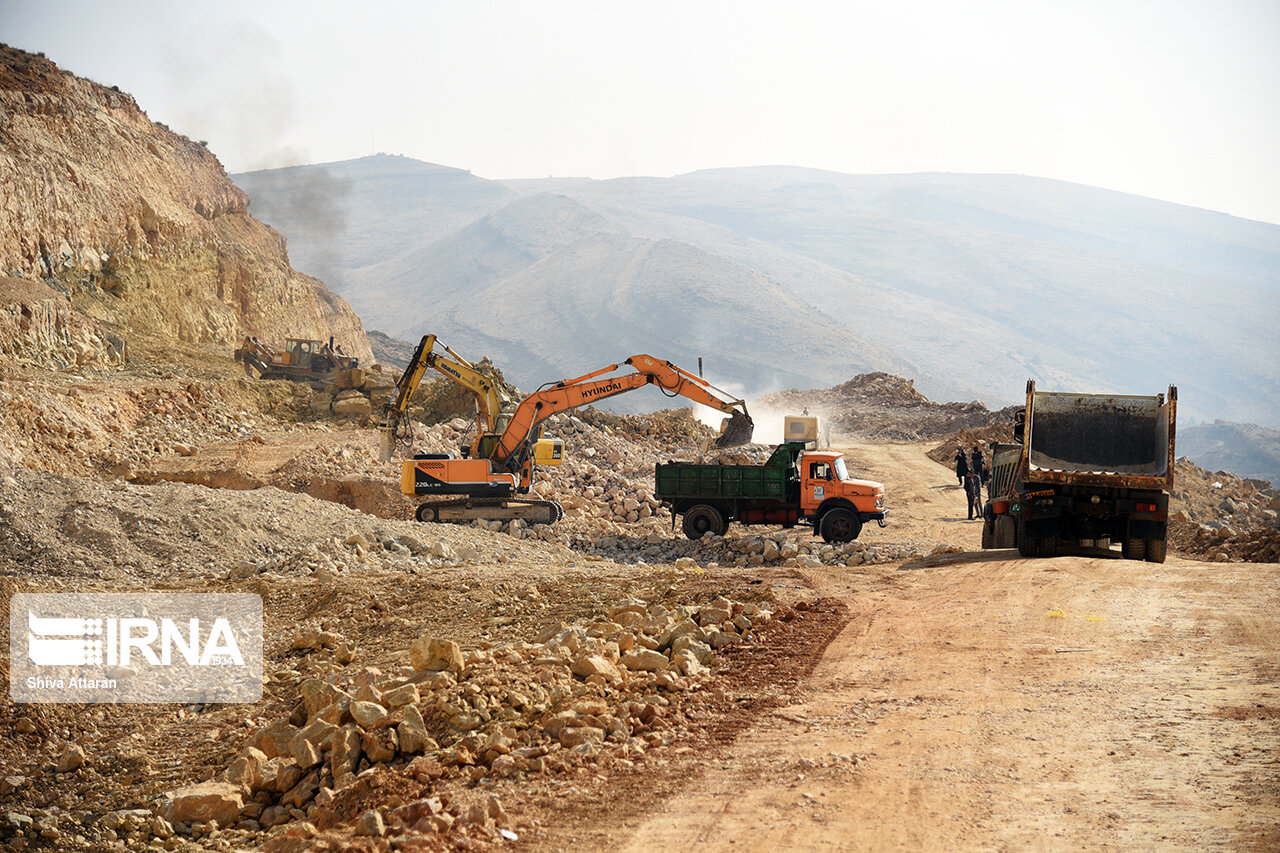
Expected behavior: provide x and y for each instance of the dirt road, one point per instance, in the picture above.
(980, 701)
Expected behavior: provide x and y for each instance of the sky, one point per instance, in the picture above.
(1173, 100)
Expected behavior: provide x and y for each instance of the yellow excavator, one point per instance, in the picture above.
(501, 464)
(489, 400)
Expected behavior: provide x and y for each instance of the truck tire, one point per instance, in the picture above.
(1006, 532)
(1047, 546)
(1027, 547)
(702, 519)
(1134, 549)
(1156, 550)
(988, 533)
(840, 525)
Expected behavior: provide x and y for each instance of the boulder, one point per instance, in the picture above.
(72, 758)
(589, 665)
(433, 655)
(644, 660)
(203, 802)
(366, 714)
(345, 754)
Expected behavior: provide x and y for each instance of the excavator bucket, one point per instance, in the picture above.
(737, 430)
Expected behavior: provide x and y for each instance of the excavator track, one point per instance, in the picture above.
(464, 510)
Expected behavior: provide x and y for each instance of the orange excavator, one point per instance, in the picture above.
(501, 464)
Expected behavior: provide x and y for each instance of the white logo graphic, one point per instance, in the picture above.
(49, 645)
(64, 642)
(141, 647)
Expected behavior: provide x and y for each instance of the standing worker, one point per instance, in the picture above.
(977, 464)
(973, 494)
(962, 465)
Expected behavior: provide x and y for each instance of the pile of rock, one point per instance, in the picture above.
(1217, 516)
(580, 692)
(333, 556)
(881, 406)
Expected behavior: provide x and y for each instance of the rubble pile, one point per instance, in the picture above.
(116, 426)
(883, 407)
(1219, 517)
(945, 451)
(611, 689)
(55, 527)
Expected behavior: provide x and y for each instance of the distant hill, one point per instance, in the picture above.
(1246, 450)
(786, 277)
(341, 217)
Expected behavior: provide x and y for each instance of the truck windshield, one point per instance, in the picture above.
(842, 473)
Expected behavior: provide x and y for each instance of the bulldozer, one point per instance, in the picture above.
(301, 360)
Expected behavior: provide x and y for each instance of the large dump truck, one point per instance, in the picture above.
(795, 486)
(1085, 471)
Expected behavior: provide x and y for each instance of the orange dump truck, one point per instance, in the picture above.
(795, 486)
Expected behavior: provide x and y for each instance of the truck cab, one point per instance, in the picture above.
(836, 503)
(824, 476)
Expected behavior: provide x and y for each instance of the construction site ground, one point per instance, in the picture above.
(958, 699)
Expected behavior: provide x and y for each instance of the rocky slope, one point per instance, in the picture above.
(883, 407)
(115, 231)
(1244, 449)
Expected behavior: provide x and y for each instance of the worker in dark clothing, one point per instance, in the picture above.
(962, 465)
(973, 494)
(977, 464)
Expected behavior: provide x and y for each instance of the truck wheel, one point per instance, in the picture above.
(1134, 549)
(1006, 532)
(701, 519)
(1047, 546)
(840, 525)
(988, 533)
(1027, 547)
(1156, 550)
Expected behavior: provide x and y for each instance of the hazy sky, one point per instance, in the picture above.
(1165, 98)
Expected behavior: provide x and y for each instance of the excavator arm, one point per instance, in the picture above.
(488, 398)
(513, 447)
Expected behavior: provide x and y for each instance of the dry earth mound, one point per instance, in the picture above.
(881, 407)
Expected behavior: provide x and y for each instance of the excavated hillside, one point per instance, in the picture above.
(117, 233)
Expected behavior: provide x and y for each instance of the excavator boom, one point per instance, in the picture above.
(571, 393)
(487, 396)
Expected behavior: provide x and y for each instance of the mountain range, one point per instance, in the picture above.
(788, 277)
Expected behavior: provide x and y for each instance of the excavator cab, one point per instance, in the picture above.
(546, 451)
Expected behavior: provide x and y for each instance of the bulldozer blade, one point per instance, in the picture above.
(386, 445)
(737, 431)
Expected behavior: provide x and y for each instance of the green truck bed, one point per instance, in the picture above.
(686, 481)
